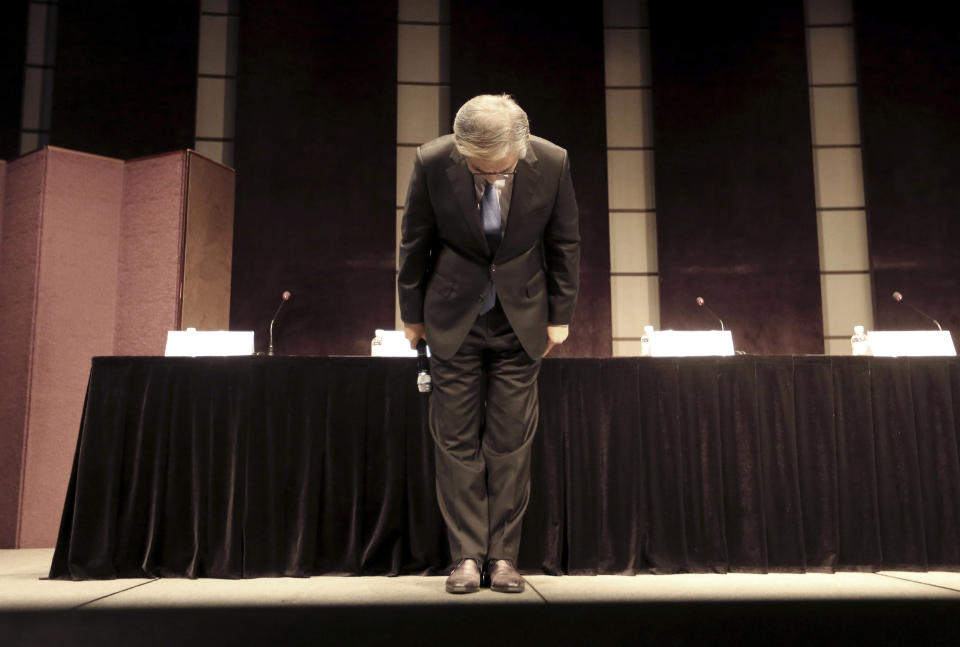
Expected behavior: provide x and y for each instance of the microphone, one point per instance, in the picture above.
(703, 304)
(284, 298)
(899, 299)
(424, 381)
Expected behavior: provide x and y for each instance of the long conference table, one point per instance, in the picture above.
(298, 466)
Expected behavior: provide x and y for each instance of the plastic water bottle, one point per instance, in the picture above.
(859, 342)
(645, 341)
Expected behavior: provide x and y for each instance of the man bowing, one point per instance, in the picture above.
(489, 270)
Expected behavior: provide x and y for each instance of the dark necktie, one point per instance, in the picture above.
(490, 208)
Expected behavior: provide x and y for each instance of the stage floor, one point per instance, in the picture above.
(23, 585)
(40, 611)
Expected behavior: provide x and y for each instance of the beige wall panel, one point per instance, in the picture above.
(36, 34)
(838, 346)
(214, 44)
(626, 57)
(219, 6)
(626, 348)
(422, 54)
(624, 13)
(32, 97)
(230, 108)
(29, 142)
(838, 177)
(843, 241)
(397, 245)
(211, 150)
(424, 10)
(830, 55)
(220, 152)
(633, 242)
(846, 303)
(75, 313)
(208, 248)
(835, 116)
(635, 302)
(422, 112)
(444, 113)
(212, 120)
(443, 65)
(227, 159)
(630, 180)
(829, 12)
(405, 158)
(629, 121)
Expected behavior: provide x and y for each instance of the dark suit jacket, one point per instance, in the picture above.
(446, 267)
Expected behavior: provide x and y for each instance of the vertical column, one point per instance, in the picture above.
(841, 217)
(38, 75)
(633, 227)
(423, 88)
(217, 80)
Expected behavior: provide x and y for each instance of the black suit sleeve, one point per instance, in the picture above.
(561, 246)
(418, 231)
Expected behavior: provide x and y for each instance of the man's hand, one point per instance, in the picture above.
(556, 335)
(414, 333)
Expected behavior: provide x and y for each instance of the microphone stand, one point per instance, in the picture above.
(899, 299)
(701, 303)
(285, 297)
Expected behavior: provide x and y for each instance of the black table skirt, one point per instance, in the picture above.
(297, 466)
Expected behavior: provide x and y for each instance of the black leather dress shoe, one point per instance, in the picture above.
(504, 577)
(465, 578)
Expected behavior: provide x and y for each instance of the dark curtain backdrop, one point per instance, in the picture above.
(736, 211)
(909, 60)
(550, 59)
(245, 467)
(316, 173)
(13, 44)
(125, 83)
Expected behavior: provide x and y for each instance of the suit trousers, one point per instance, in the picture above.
(483, 416)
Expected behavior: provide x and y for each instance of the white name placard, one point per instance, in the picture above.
(911, 343)
(392, 343)
(208, 343)
(690, 343)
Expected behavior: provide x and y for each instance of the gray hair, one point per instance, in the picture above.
(491, 127)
